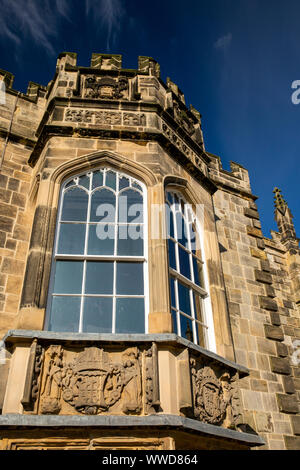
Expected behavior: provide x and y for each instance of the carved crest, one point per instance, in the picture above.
(92, 383)
(106, 87)
(215, 395)
(209, 402)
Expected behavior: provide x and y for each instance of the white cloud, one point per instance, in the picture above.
(22, 18)
(110, 14)
(40, 20)
(223, 43)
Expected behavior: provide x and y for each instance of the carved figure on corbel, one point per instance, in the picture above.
(51, 392)
(151, 380)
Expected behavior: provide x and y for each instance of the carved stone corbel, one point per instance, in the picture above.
(151, 380)
(32, 380)
(51, 392)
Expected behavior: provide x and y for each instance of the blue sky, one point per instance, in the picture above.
(235, 60)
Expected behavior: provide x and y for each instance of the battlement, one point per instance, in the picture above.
(237, 179)
(34, 90)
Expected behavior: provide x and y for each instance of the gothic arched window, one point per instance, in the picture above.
(188, 284)
(99, 275)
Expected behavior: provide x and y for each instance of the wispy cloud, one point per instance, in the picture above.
(224, 42)
(110, 14)
(40, 20)
(27, 18)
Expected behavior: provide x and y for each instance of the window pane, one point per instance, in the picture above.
(97, 179)
(97, 315)
(181, 230)
(130, 206)
(103, 206)
(130, 279)
(174, 321)
(172, 289)
(170, 198)
(97, 244)
(68, 277)
(172, 257)
(65, 313)
(137, 186)
(184, 299)
(99, 277)
(130, 240)
(84, 181)
(186, 326)
(198, 307)
(200, 330)
(130, 316)
(123, 183)
(198, 272)
(71, 239)
(75, 205)
(184, 261)
(111, 180)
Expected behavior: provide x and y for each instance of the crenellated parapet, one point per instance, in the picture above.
(34, 90)
(237, 180)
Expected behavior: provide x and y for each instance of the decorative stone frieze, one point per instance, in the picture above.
(97, 380)
(109, 118)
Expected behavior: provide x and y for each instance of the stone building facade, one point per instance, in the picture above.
(211, 362)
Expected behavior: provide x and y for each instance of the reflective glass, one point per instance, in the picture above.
(200, 331)
(130, 206)
(65, 313)
(130, 278)
(184, 261)
(174, 321)
(111, 180)
(172, 289)
(75, 204)
(68, 277)
(84, 181)
(97, 179)
(97, 315)
(101, 239)
(172, 257)
(130, 316)
(103, 206)
(198, 307)
(169, 221)
(71, 239)
(198, 272)
(123, 183)
(181, 230)
(184, 298)
(99, 277)
(186, 326)
(170, 198)
(137, 186)
(130, 240)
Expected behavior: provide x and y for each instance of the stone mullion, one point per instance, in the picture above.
(160, 319)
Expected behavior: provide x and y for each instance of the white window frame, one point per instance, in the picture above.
(114, 258)
(203, 292)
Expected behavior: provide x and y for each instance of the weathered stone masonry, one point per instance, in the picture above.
(178, 395)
